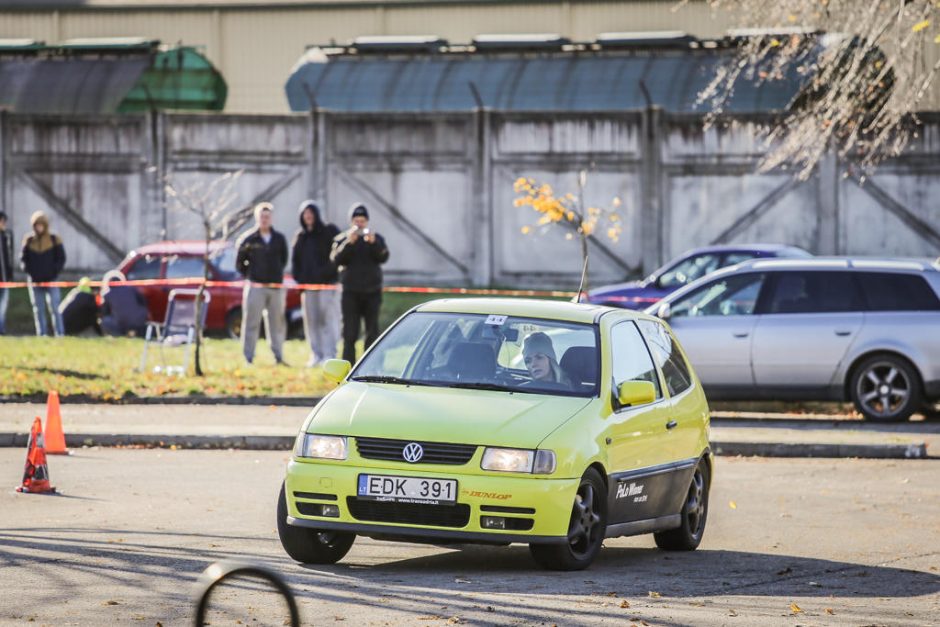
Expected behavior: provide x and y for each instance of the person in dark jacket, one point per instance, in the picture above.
(6, 269)
(124, 309)
(261, 257)
(359, 252)
(43, 258)
(79, 309)
(311, 264)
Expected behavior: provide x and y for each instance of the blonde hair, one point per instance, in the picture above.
(261, 207)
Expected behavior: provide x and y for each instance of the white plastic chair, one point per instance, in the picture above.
(177, 329)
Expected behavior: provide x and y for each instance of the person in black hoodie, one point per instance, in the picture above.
(43, 258)
(6, 269)
(311, 264)
(359, 252)
(262, 254)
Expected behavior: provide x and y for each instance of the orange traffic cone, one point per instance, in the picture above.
(55, 437)
(36, 473)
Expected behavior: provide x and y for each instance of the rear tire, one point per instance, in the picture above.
(694, 515)
(886, 388)
(233, 323)
(586, 529)
(310, 546)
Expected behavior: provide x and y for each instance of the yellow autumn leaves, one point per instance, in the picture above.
(565, 210)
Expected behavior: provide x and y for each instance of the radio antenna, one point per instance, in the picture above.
(584, 269)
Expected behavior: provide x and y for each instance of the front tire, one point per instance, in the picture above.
(309, 546)
(694, 515)
(886, 388)
(586, 529)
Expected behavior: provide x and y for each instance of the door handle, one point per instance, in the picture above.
(741, 334)
(843, 333)
(671, 424)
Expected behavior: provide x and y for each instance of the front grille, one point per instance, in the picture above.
(434, 452)
(409, 513)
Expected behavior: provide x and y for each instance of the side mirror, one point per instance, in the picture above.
(630, 393)
(336, 369)
(664, 311)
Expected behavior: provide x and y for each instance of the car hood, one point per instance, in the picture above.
(436, 414)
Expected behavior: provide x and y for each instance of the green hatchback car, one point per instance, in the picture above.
(497, 421)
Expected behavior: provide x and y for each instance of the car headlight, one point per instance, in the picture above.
(320, 446)
(518, 460)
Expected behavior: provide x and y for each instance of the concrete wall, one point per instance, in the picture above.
(440, 187)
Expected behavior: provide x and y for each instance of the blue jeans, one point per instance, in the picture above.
(4, 301)
(41, 298)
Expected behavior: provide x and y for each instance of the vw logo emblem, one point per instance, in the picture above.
(413, 452)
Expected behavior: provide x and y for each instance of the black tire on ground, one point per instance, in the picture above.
(694, 514)
(309, 546)
(886, 388)
(233, 323)
(585, 531)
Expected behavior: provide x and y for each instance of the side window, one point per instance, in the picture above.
(667, 356)
(814, 292)
(888, 291)
(734, 295)
(178, 267)
(630, 358)
(688, 270)
(147, 267)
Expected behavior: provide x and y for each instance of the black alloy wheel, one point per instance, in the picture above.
(586, 529)
(694, 514)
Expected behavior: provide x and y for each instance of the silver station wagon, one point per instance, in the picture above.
(836, 329)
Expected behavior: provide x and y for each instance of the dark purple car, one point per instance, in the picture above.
(692, 265)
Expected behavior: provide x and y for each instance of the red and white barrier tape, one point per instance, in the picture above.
(193, 282)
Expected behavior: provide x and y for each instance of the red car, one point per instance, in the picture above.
(184, 260)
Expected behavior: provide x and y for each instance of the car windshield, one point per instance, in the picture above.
(491, 352)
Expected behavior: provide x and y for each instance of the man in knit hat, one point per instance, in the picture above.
(539, 354)
(42, 258)
(359, 252)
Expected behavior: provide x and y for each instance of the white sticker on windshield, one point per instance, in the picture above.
(495, 320)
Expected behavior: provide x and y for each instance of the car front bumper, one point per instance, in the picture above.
(542, 502)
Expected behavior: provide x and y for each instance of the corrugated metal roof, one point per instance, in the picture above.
(68, 85)
(104, 76)
(563, 81)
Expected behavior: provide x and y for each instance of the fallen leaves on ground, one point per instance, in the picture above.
(654, 595)
(795, 609)
(732, 505)
(625, 604)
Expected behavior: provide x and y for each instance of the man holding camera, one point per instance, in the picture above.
(359, 252)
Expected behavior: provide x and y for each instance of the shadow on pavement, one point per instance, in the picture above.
(469, 579)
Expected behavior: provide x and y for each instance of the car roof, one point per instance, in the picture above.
(180, 247)
(526, 308)
(887, 264)
(717, 248)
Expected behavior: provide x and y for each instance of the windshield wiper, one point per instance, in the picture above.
(496, 387)
(377, 378)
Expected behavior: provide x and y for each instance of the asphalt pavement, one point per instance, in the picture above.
(788, 542)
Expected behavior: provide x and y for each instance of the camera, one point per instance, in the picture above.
(364, 232)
